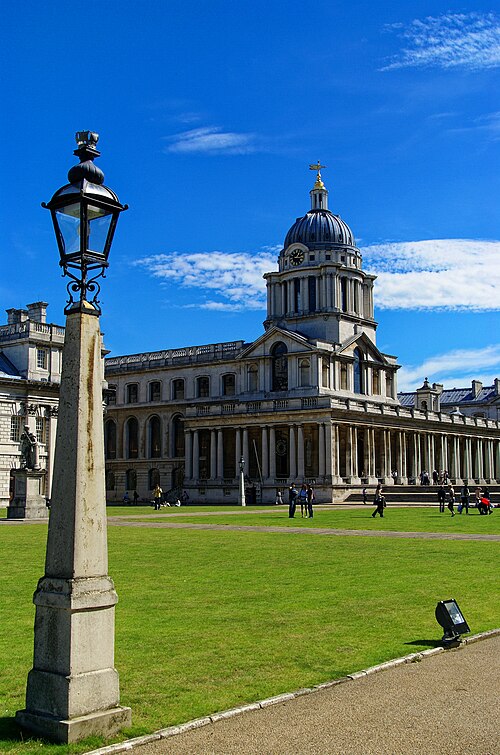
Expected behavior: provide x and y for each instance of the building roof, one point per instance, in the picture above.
(319, 227)
(7, 369)
(455, 396)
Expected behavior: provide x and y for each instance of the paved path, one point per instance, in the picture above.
(117, 521)
(445, 705)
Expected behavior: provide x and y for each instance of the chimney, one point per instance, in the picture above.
(477, 387)
(15, 316)
(38, 311)
(497, 387)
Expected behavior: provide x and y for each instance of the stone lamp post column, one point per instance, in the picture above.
(73, 690)
(241, 485)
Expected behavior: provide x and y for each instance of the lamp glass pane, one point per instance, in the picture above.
(455, 614)
(68, 220)
(99, 221)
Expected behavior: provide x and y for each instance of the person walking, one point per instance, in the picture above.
(279, 499)
(451, 500)
(157, 496)
(310, 499)
(126, 498)
(292, 500)
(136, 497)
(464, 499)
(441, 494)
(365, 495)
(303, 500)
(379, 501)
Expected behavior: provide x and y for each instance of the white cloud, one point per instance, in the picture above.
(213, 140)
(470, 40)
(451, 274)
(236, 278)
(455, 369)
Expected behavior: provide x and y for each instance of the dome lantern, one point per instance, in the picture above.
(319, 192)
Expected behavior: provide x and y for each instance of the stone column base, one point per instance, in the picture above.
(103, 723)
(401, 481)
(353, 480)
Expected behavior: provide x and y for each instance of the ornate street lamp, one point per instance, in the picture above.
(241, 491)
(73, 688)
(84, 213)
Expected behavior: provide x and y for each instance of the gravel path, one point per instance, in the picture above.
(116, 521)
(447, 704)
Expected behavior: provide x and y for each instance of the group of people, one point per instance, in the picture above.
(159, 499)
(304, 496)
(447, 496)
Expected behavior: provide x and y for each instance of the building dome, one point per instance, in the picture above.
(319, 227)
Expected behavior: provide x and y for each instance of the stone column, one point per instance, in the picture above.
(220, 454)
(300, 453)
(321, 450)
(196, 455)
(73, 690)
(188, 442)
(292, 454)
(497, 460)
(213, 455)
(237, 450)
(246, 455)
(272, 453)
(265, 454)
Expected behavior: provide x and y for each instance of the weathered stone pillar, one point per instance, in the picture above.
(292, 454)
(300, 452)
(246, 455)
(196, 455)
(265, 454)
(72, 690)
(237, 451)
(321, 449)
(220, 454)
(188, 443)
(213, 455)
(272, 453)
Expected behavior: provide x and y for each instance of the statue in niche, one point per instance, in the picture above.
(29, 450)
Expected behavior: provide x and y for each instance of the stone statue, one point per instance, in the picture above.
(29, 450)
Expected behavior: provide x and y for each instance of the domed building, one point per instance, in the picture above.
(311, 400)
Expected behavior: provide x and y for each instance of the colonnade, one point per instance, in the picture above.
(332, 292)
(336, 453)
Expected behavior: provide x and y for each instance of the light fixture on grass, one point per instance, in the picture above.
(451, 618)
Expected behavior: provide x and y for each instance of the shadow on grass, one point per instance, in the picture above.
(9, 730)
(426, 643)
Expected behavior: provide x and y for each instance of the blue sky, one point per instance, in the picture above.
(209, 114)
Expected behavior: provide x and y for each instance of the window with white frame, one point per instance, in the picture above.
(16, 425)
(41, 430)
(41, 359)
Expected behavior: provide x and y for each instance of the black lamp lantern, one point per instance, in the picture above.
(242, 465)
(84, 213)
(451, 618)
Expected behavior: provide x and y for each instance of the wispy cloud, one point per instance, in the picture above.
(469, 40)
(455, 369)
(232, 281)
(452, 274)
(212, 140)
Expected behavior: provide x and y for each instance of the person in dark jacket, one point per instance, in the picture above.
(379, 501)
(310, 499)
(292, 500)
(441, 498)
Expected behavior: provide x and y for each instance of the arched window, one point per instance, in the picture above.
(325, 373)
(279, 367)
(110, 480)
(229, 384)
(178, 389)
(131, 479)
(358, 372)
(155, 391)
(132, 438)
(178, 436)
(153, 478)
(154, 438)
(110, 439)
(304, 372)
(253, 378)
(202, 387)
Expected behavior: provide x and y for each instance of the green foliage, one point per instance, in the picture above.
(210, 619)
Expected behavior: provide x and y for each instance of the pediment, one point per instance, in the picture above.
(366, 346)
(295, 343)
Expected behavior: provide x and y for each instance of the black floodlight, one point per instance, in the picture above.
(451, 618)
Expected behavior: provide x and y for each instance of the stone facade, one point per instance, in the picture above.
(30, 373)
(312, 399)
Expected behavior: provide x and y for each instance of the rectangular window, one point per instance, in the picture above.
(296, 295)
(16, 424)
(132, 393)
(41, 359)
(375, 382)
(389, 385)
(178, 389)
(312, 294)
(41, 430)
(343, 377)
(154, 391)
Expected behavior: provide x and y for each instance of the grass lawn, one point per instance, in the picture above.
(410, 519)
(209, 619)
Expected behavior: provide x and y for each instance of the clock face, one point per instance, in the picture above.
(296, 257)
